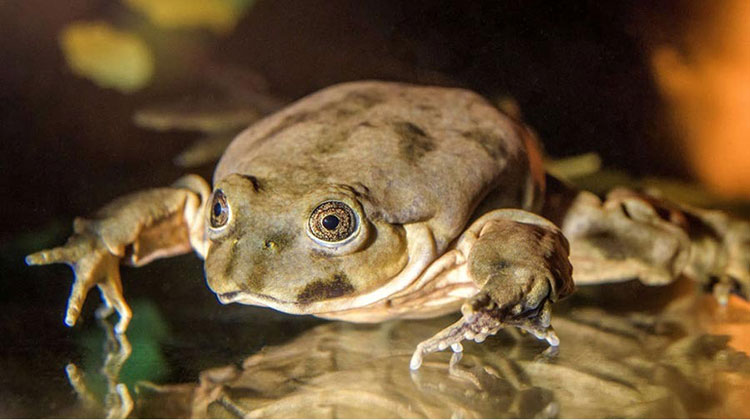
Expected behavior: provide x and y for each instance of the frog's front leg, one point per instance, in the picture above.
(520, 263)
(136, 229)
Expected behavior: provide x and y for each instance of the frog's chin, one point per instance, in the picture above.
(247, 298)
(259, 299)
(234, 297)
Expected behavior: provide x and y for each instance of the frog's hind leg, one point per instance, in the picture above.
(631, 235)
(519, 260)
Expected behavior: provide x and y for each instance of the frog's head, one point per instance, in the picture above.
(299, 249)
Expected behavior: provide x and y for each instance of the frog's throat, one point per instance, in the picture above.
(422, 252)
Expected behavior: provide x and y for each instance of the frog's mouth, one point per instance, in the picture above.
(294, 307)
(247, 298)
(290, 307)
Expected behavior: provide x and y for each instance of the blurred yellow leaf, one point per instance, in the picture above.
(111, 58)
(219, 16)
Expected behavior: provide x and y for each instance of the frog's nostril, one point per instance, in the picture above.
(270, 245)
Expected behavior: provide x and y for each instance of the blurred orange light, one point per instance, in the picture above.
(707, 91)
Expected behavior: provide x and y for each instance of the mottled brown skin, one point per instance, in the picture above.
(448, 197)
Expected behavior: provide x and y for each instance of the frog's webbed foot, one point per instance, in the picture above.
(136, 229)
(93, 265)
(521, 263)
(481, 318)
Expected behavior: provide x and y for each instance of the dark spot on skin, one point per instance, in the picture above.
(254, 181)
(490, 142)
(342, 113)
(235, 256)
(501, 265)
(337, 286)
(610, 246)
(409, 130)
(350, 105)
(335, 138)
(258, 266)
(413, 141)
(325, 147)
(332, 141)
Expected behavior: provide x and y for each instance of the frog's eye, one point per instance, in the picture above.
(332, 222)
(219, 210)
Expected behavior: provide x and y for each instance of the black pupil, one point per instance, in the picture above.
(218, 209)
(330, 222)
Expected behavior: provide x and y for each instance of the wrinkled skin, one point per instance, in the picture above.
(370, 201)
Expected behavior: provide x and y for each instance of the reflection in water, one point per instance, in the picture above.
(624, 364)
(117, 400)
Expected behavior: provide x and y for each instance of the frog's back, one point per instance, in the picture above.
(413, 153)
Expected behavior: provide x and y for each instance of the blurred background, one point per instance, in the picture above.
(656, 89)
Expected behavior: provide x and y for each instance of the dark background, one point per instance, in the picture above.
(577, 69)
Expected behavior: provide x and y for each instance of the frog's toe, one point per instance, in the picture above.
(98, 268)
(125, 314)
(539, 325)
(729, 285)
(532, 314)
(85, 279)
(111, 292)
(61, 254)
(473, 325)
(75, 302)
(42, 257)
(450, 337)
(483, 317)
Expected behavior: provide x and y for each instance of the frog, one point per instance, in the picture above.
(370, 201)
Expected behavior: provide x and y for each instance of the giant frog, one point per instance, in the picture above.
(369, 201)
